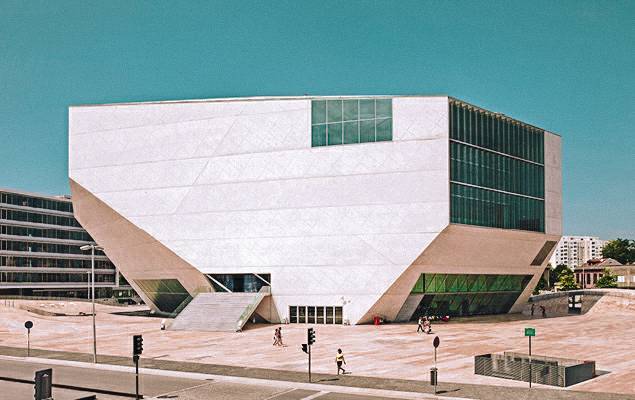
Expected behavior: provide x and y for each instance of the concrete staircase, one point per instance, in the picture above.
(218, 311)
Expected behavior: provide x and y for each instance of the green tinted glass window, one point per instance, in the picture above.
(383, 108)
(366, 109)
(467, 294)
(318, 112)
(383, 129)
(351, 132)
(351, 110)
(166, 294)
(334, 111)
(318, 135)
(367, 131)
(334, 134)
(335, 122)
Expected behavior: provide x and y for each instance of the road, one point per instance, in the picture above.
(89, 380)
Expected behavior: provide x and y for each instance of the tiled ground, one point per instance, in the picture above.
(605, 335)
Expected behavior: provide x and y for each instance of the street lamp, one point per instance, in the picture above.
(92, 248)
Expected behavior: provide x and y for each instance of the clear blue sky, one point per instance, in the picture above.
(566, 66)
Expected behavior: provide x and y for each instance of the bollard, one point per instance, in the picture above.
(433, 378)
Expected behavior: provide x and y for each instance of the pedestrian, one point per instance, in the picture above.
(533, 306)
(427, 326)
(543, 310)
(276, 341)
(163, 324)
(339, 360)
(420, 325)
(280, 343)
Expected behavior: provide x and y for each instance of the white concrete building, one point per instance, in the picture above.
(343, 208)
(573, 251)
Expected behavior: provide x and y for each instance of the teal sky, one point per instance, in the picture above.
(566, 66)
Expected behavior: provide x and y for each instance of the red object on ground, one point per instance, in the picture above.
(376, 320)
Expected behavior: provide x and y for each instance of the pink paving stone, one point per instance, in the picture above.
(605, 335)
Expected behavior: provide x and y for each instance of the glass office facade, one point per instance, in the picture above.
(467, 294)
(496, 170)
(39, 240)
(347, 121)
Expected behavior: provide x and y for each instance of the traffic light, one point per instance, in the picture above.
(137, 345)
(305, 348)
(310, 336)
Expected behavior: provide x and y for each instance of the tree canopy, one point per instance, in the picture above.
(607, 280)
(622, 250)
(566, 279)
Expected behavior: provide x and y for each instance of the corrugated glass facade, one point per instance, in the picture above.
(349, 121)
(466, 294)
(496, 170)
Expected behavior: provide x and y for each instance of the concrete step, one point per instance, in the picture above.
(219, 311)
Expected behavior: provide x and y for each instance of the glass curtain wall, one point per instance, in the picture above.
(467, 294)
(347, 121)
(496, 170)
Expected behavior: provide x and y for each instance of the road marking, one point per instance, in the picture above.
(166, 395)
(279, 394)
(314, 396)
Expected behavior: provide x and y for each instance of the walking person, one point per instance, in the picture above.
(339, 360)
(280, 343)
(276, 341)
(543, 310)
(420, 325)
(533, 306)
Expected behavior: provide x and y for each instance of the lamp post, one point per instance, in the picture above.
(92, 248)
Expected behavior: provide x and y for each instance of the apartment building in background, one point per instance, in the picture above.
(574, 251)
(40, 252)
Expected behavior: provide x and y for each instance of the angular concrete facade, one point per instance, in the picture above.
(176, 190)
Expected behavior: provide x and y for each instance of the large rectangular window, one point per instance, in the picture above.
(316, 314)
(347, 121)
(466, 294)
(496, 170)
(168, 295)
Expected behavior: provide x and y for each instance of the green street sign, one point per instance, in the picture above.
(530, 331)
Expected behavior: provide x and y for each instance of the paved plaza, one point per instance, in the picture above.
(389, 351)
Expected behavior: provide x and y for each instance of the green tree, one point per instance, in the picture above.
(622, 250)
(542, 285)
(607, 280)
(566, 279)
(554, 273)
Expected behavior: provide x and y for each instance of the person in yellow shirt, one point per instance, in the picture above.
(339, 360)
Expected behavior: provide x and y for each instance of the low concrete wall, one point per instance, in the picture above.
(557, 303)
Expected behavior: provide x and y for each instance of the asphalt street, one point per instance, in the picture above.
(98, 381)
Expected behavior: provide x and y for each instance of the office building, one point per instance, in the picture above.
(40, 250)
(322, 209)
(573, 251)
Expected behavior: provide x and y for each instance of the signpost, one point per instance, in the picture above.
(433, 371)
(529, 332)
(28, 325)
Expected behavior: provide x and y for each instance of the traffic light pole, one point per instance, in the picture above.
(136, 367)
(309, 363)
